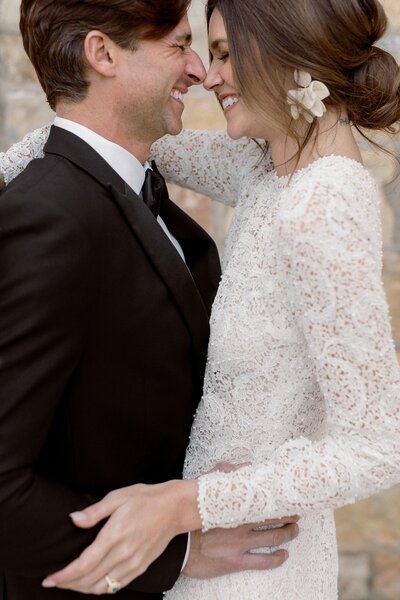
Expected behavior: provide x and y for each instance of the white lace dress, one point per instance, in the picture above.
(302, 379)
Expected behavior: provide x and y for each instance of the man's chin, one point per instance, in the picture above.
(173, 126)
(174, 129)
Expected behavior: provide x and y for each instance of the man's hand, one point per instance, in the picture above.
(222, 551)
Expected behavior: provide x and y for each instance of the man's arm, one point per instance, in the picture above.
(46, 277)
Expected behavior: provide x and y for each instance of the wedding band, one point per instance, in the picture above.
(113, 585)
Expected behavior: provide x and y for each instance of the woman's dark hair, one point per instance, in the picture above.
(333, 40)
(54, 31)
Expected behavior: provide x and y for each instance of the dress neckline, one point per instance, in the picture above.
(287, 180)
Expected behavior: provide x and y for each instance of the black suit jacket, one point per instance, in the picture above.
(103, 340)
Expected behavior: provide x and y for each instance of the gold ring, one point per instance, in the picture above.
(113, 585)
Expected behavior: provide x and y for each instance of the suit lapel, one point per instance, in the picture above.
(200, 251)
(192, 290)
(170, 266)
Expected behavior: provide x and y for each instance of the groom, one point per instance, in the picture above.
(105, 294)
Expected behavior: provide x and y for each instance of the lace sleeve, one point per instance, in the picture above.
(16, 158)
(208, 162)
(331, 252)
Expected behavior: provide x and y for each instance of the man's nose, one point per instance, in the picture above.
(195, 69)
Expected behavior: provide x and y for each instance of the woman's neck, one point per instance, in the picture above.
(334, 136)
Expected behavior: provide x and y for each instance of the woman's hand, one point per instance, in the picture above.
(142, 521)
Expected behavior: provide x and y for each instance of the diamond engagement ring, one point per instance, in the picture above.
(113, 585)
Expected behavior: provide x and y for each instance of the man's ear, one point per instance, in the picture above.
(100, 53)
(2, 182)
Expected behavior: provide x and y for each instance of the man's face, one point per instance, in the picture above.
(152, 82)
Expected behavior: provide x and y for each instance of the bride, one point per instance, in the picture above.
(302, 386)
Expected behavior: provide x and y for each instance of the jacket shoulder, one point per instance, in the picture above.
(53, 184)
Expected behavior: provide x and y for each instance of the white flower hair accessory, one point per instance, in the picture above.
(307, 99)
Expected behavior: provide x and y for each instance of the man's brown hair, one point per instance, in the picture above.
(54, 32)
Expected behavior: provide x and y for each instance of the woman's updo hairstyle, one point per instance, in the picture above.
(374, 99)
(333, 40)
(375, 103)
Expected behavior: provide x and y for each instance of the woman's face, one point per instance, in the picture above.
(241, 121)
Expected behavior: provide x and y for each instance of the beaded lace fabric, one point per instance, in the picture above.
(302, 381)
(19, 155)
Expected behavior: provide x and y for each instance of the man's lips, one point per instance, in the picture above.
(177, 95)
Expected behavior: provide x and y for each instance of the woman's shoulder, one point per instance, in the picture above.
(335, 174)
(334, 192)
(332, 180)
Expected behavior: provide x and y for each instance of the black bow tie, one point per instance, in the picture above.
(154, 189)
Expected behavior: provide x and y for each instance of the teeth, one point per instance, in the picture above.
(229, 101)
(177, 95)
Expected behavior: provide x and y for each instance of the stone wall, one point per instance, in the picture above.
(22, 102)
(369, 532)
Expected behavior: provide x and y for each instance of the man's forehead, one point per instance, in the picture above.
(183, 32)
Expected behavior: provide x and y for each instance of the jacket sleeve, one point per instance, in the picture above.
(47, 288)
(45, 283)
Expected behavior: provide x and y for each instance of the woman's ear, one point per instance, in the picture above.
(100, 53)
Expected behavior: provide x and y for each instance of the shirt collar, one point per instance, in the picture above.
(123, 162)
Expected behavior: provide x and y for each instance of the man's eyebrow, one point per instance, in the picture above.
(184, 37)
(214, 45)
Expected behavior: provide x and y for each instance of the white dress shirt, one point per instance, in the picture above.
(131, 171)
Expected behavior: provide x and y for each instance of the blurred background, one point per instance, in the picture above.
(369, 532)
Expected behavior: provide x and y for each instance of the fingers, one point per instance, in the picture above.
(224, 467)
(260, 562)
(274, 537)
(87, 562)
(221, 551)
(117, 549)
(112, 554)
(90, 516)
(94, 582)
(275, 522)
(271, 537)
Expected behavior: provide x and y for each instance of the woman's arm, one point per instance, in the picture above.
(332, 248)
(208, 162)
(16, 158)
